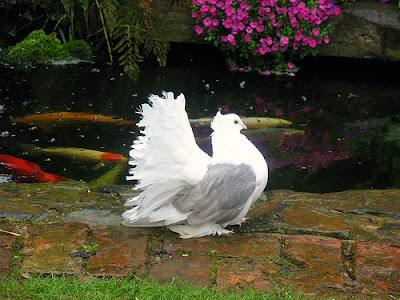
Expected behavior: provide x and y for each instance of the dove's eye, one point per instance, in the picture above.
(236, 122)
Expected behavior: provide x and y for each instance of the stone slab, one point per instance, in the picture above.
(241, 274)
(357, 215)
(377, 267)
(317, 261)
(121, 251)
(192, 268)
(5, 259)
(237, 245)
(47, 248)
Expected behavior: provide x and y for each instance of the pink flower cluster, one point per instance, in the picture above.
(264, 26)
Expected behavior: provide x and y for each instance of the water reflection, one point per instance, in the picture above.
(343, 134)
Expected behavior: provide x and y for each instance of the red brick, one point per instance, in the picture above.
(47, 248)
(316, 261)
(194, 269)
(5, 258)
(238, 245)
(7, 239)
(121, 251)
(377, 267)
(247, 273)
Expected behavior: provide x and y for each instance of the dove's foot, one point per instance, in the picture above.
(242, 221)
(189, 231)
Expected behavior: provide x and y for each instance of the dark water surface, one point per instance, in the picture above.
(347, 113)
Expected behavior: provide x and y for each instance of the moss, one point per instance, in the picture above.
(79, 49)
(39, 48)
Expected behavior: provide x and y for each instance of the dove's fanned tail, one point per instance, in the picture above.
(166, 161)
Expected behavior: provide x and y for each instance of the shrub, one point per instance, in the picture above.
(267, 36)
(38, 48)
(78, 49)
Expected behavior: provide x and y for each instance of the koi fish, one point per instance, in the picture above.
(27, 171)
(81, 154)
(109, 178)
(250, 122)
(48, 120)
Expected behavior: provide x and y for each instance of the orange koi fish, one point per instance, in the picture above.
(48, 120)
(27, 171)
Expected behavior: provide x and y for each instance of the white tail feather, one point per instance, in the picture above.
(166, 159)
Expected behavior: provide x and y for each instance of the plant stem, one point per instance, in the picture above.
(104, 30)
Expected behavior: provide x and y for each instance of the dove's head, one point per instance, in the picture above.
(229, 122)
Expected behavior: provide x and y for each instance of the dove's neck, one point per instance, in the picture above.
(235, 148)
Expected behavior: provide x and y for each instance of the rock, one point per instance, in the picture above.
(47, 248)
(51, 202)
(318, 261)
(372, 214)
(377, 267)
(192, 268)
(5, 259)
(121, 251)
(94, 217)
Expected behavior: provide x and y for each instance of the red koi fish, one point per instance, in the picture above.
(27, 171)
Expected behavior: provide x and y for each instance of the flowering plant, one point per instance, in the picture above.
(265, 35)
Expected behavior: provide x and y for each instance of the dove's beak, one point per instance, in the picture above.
(244, 126)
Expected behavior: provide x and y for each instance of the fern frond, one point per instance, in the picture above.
(110, 9)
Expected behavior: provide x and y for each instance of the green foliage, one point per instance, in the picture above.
(91, 247)
(52, 287)
(78, 48)
(38, 48)
(135, 33)
(129, 29)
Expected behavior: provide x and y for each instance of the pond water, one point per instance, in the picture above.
(345, 116)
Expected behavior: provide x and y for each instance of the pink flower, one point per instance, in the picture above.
(245, 6)
(291, 65)
(231, 39)
(337, 11)
(204, 8)
(199, 30)
(212, 10)
(229, 11)
(242, 15)
(227, 23)
(249, 30)
(247, 37)
(312, 43)
(298, 37)
(284, 40)
(241, 26)
(326, 39)
(260, 28)
(315, 31)
(253, 24)
(262, 50)
(207, 22)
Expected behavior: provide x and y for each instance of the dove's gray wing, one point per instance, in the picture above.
(220, 196)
